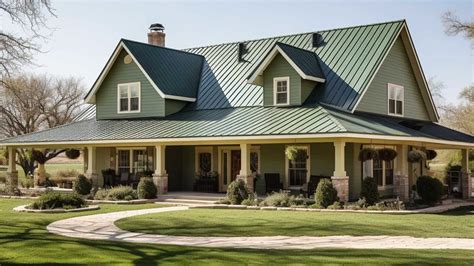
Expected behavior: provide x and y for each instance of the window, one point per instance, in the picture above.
(381, 171)
(395, 99)
(281, 94)
(129, 98)
(298, 168)
(203, 160)
(132, 160)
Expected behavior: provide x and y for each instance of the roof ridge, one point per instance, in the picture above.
(294, 34)
(161, 47)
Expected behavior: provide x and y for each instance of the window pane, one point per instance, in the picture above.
(139, 161)
(225, 168)
(281, 98)
(389, 173)
(391, 92)
(134, 90)
(399, 93)
(391, 106)
(378, 171)
(297, 169)
(134, 104)
(123, 91)
(254, 162)
(124, 161)
(399, 107)
(124, 104)
(205, 162)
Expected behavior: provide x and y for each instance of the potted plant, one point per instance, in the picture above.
(368, 154)
(431, 154)
(294, 153)
(416, 156)
(73, 154)
(387, 154)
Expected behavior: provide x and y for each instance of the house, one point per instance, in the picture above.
(234, 109)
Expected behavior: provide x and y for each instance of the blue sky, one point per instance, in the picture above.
(86, 32)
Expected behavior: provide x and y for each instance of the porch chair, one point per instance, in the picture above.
(124, 178)
(272, 182)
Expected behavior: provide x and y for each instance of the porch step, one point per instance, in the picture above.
(188, 201)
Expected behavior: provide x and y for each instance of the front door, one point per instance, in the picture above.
(235, 164)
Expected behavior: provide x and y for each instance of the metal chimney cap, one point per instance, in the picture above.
(157, 27)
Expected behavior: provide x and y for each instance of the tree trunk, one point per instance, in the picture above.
(40, 175)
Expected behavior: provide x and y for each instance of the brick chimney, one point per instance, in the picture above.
(156, 36)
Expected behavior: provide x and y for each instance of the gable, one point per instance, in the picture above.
(396, 69)
(152, 104)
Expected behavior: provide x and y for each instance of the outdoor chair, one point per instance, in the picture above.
(272, 182)
(124, 178)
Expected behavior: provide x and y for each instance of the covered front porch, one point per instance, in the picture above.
(209, 166)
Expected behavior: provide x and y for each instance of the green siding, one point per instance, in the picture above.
(273, 160)
(395, 69)
(152, 104)
(279, 67)
(355, 174)
(322, 159)
(307, 87)
(102, 162)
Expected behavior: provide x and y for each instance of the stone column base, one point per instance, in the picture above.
(466, 184)
(94, 178)
(401, 187)
(12, 178)
(248, 180)
(341, 184)
(161, 183)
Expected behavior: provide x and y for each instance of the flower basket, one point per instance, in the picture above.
(416, 156)
(368, 154)
(296, 154)
(431, 154)
(387, 154)
(73, 154)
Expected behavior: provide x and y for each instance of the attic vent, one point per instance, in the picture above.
(317, 40)
(242, 51)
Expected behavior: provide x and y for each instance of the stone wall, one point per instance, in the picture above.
(401, 187)
(341, 184)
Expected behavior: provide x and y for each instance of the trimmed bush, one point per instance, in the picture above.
(278, 199)
(325, 194)
(237, 191)
(369, 191)
(146, 189)
(429, 188)
(82, 185)
(116, 193)
(73, 154)
(56, 200)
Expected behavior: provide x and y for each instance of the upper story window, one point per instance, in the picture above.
(281, 91)
(395, 99)
(129, 98)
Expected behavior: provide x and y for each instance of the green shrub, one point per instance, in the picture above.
(430, 189)
(277, 199)
(48, 182)
(82, 185)
(223, 201)
(116, 193)
(146, 189)
(369, 191)
(336, 206)
(237, 191)
(56, 200)
(326, 194)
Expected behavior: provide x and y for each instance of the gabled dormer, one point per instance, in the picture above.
(145, 80)
(288, 75)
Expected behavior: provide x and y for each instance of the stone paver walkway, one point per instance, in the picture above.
(102, 227)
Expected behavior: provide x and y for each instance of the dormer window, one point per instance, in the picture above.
(128, 97)
(395, 99)
(281, 93)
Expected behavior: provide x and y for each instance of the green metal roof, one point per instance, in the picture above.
(243, 121)
(306, 60)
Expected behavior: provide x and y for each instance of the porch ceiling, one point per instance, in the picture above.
(246, 123)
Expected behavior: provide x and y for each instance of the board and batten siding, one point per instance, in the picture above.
(395, 69)
(299, 88)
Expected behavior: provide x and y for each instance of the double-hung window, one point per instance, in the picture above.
(129, 97)
(395, 99)
(381, 171)
(281, 91)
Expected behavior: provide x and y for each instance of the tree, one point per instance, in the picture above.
(461, 116)
(36, 102)
(453, 25)
(17, 49)
(437, 87)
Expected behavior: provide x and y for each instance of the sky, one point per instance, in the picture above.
(86, 32)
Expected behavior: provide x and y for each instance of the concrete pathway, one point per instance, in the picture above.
(101, 227)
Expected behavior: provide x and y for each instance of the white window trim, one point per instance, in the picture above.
(383, 186)
(389, 87)
(129, 106)
(199, 150)
(130, 149)
(308, 166)
(275, 80)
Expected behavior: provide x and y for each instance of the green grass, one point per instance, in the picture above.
(203, 222)
(24, 239)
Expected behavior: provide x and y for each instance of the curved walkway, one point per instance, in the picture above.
(102, 227)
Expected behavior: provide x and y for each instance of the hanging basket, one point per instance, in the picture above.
(431, 154)
(296, 154)
(368, 154)
(387, 154)
(73, 154)
(38, 156)
(416, 156)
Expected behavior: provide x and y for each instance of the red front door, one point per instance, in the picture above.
(235, 164)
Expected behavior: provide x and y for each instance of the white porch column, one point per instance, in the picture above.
(466, 175)
(340, 180)
(12, 173)
(400, 179)
(91, 171)
(245, 172)
(160, 177)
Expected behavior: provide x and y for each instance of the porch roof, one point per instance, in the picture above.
(314, 120)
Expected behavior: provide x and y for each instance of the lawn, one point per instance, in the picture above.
(51, 168)
(24, 239)
(203, 222)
